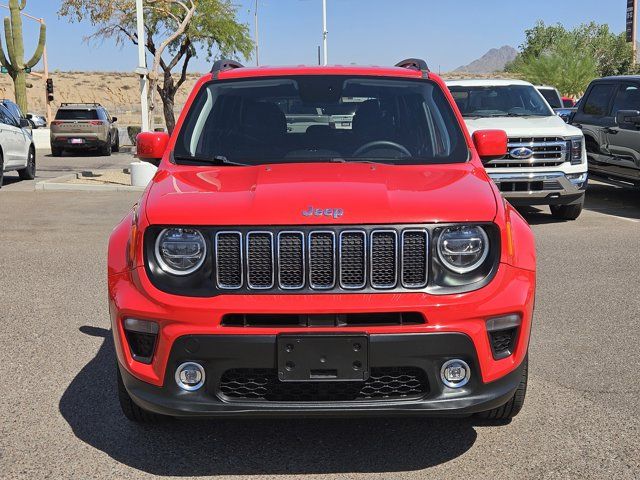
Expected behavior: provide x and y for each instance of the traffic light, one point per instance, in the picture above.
(50, 89)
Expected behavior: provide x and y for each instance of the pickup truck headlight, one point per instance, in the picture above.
(462, 249)
(180, 251)
(575, 145)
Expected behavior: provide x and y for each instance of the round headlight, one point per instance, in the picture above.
(463, 249)
(180, 251)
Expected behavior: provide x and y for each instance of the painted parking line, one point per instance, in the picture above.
(605, 212)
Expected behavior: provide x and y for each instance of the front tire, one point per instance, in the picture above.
(129, 408)
(29, 172)
(1, 169)
(566, 212)
(510, 409)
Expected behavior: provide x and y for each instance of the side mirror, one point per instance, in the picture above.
(151, 145)
(490, 144)
(628, 117)
(114, 119)
(25, 123)
(29, 116)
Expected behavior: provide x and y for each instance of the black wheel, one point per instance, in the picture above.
(116, 146)
(515, 404)
(566, 212)
(132, 411)
(29, 172)
(1, 169)
(56, 151)
(105, 150)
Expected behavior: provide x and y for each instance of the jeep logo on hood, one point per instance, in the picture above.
(323, 212)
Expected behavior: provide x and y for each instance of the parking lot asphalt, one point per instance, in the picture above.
(59, 415)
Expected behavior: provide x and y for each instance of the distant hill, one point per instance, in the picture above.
(493, 61)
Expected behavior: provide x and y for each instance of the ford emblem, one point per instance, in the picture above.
(521, 153)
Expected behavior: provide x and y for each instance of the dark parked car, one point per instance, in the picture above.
(609, 116)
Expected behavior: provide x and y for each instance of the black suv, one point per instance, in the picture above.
(609, 116)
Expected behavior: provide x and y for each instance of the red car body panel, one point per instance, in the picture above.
(275, 195)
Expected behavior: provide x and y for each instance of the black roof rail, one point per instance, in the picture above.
(415, 64)
(223, 65)
(93, 104)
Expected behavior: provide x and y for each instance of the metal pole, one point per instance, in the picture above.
(635, 32)
(324, 31)
(142, 68)
(257, 39)
(45, 74)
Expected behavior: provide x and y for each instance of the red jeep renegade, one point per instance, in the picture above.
(321, 241)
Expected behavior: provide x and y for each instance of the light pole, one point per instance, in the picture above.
(255, 15)
(142, 68)
(324, 31)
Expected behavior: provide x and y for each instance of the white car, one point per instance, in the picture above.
(17, 151)
(38, 120)
(546, 162)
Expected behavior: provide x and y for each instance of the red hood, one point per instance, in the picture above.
(278, 194)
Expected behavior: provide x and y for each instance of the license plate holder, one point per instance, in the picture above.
(76, 141)
(323, 358)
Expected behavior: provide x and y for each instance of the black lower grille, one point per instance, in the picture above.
(141, 344)
(323, 320)
(503, 342)
(386, 383)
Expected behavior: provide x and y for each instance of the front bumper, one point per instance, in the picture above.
(544, 188)
(221, 353)
(454, 327)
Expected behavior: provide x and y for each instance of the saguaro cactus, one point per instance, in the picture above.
(15, 64)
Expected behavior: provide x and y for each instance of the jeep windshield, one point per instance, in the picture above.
(500, 101)
(321, 118)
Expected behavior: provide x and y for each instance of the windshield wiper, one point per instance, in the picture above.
(213, 160)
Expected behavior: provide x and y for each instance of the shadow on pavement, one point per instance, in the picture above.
(611, 200)
(243, 447)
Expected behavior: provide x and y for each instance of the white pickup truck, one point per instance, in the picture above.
(546, 162)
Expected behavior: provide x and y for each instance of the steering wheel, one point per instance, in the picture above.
(381, 143)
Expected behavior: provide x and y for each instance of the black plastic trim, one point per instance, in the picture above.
(219, 353)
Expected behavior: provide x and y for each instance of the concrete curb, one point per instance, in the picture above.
(61, 184)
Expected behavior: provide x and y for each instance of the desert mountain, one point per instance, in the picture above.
(492, 61)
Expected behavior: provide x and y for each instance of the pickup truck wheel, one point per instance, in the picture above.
(515, 404)
(29, 172)
(566, 212)
(1, 170)
(105, 150)
(132, 411)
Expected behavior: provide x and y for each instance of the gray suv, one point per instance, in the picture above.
(84, 126)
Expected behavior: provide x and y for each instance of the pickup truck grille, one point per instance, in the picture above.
(323, 259)
(547, 152)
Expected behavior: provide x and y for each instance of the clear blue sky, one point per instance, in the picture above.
(447, 33)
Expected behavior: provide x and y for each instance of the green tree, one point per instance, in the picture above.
(177, 31)
(611, 52)
(15, 64)
(562, 66)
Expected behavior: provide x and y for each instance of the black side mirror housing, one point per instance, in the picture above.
(25, 123)
(114, 119)
(628, 117)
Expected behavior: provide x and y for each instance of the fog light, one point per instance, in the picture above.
(578, 179)
(142, 338)
(455, 373)
(190, 376)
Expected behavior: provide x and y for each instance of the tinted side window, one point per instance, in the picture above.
(7, 117)
(627, 98)
(597, 104)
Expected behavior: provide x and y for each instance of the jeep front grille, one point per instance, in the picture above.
(547, 152)
(323, 259)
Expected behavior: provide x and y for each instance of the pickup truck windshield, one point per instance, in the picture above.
(500, 101)
(321, 118)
